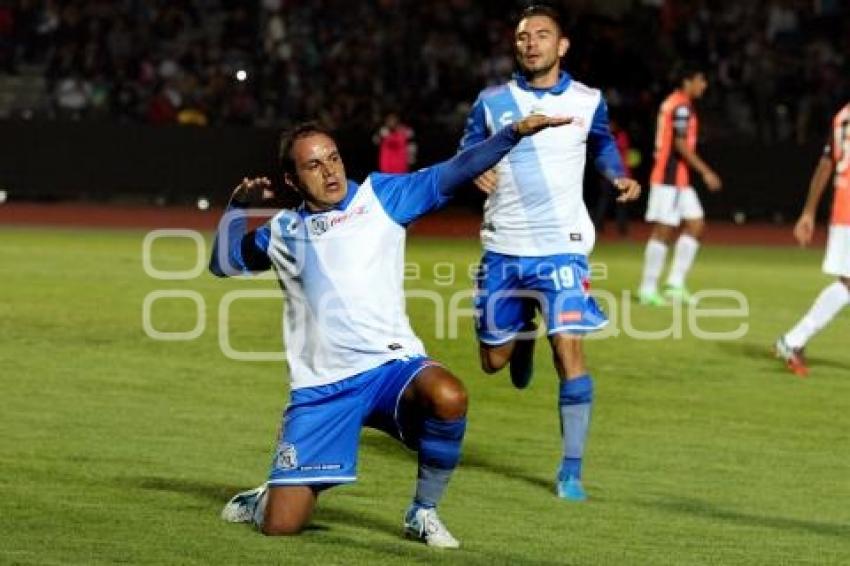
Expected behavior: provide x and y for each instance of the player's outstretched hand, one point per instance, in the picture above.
(712, 181)
(804, 229)
(253, 191)
(487, 181)
(629, 189)
(533, 123)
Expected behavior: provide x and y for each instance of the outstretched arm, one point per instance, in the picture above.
(479, 157)
(407, 197)
(805, 226)
(242, 252)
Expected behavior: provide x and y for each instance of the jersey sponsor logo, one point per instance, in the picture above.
(287, 457)
(569, 316)
(395, 346)
(321, 224)
(356, 211)
(575, 237)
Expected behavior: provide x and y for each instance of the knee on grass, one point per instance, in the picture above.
(283, 526)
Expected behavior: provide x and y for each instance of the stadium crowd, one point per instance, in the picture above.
(779, 64)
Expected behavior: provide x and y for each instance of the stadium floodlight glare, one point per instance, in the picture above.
(3, 196)
(241, 75)
(203, 203)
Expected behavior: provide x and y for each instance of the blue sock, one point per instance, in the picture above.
(575, 400)
(439, 453)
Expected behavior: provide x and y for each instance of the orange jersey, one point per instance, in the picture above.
(676, 119)
(838, 149)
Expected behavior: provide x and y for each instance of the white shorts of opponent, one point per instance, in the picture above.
(837, 259)
(670, 205)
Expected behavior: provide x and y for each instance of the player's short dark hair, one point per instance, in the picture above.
(687, 70)
(293, 134)
(543, 10)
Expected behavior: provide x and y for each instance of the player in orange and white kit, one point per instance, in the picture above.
(673, 202)
(836, 158)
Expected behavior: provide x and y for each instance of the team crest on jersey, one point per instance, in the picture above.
(506, 118)
(319, 225)
(287, 457)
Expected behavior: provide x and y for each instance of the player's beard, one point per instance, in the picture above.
(540, 71)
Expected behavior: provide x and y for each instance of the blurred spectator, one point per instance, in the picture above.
(73, 97)
(7, 38)
(396, 145)
(782, 64)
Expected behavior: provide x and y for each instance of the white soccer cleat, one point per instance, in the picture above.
(241, 507)
(424, 524)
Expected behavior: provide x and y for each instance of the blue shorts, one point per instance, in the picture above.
(509, 289)
(321, 425)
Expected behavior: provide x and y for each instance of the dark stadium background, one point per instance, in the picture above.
(100, 100)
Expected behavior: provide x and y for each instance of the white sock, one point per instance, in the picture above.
(683, 258)
(653, 263)
(830, 301)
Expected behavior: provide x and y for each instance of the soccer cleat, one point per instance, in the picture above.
(793, 357)
(652, 299)
(678, 295)
(571, 489)
(424, 524)
(522, 359)
(240, 509)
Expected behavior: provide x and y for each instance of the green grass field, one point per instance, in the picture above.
(119, 448)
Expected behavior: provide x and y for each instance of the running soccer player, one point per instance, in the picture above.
(836, 159)
(673, 202)
(537, 233)
(354, 360)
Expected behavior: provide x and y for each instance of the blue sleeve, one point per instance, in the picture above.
(476, 159)
(237, 251)
(476, 126)
(602, 145)
(408, 197)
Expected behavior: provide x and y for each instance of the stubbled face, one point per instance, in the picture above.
(539, 46)
(319, 171)
(696, 85)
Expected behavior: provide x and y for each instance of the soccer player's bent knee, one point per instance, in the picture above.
(490, 364)
(450, 400)
(282, 527)
(494, 359)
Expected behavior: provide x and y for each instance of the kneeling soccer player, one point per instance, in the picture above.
(354, 360)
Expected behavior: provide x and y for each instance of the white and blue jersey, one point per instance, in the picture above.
(342, 269)
(538, 208)
(536, 231)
